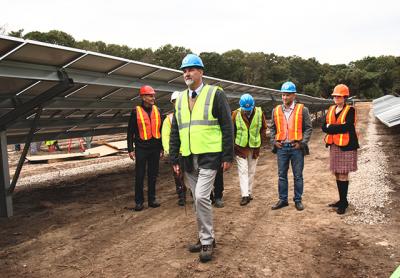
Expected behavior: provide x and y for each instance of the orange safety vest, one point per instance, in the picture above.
(148, 127)
(294, 126)
(341, 139)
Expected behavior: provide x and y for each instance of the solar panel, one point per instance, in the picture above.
(387, 110)
(51, 92)
(104, 89)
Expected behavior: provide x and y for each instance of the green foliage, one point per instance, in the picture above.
(17, 34)
(170, 56)
(370, 77)
(53, 36)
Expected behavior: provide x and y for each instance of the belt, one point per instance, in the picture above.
(287, 145)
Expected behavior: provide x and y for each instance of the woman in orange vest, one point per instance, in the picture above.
(144, 145)
(339, 125)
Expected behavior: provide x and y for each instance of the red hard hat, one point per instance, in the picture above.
(146, 90)
(341, 90)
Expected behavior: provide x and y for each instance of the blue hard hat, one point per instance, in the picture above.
(192, 60)
(288, 87)
(246, 102)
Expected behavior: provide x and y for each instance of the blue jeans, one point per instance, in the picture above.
(287, 154)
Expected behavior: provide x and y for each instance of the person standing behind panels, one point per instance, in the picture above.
(144, 129)
(250, 128)
(342, 138)
(290, 133)
(165, 136)
(202, 129)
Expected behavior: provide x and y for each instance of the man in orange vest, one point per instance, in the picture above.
(290, 132)
(144, 129)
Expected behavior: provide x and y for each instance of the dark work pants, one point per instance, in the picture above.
(151, 159)
(218, 185)
(180, 185)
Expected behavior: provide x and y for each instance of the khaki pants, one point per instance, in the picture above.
(247, 170)
(201, 182)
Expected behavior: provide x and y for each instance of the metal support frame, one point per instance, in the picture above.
(39, 100)
(9, 118)
(6, 207)
(13, 139)
(150, 74)
(25, 151)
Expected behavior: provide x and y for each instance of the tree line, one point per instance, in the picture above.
(370, 77)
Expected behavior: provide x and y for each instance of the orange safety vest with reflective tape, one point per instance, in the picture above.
(149, 127)
(294, 127)
(341, 139)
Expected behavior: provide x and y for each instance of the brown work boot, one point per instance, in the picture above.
(206, 252)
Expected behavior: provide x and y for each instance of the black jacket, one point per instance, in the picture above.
(134, 137)
(344, 128)
(221, 111)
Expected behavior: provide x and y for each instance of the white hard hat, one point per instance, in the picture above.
(175, 95)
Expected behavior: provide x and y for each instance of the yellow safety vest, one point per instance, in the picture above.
(248, 136)
(199, 130)
(166, 132)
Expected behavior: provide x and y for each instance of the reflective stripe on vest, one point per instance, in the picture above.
(248, 136)
(166, 132)
(341, 139)
(149, 127)
(294, 126)
(199, 130)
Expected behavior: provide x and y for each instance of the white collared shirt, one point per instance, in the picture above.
(288, 111)
(197, 90)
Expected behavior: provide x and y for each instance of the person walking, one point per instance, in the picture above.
(144, 130)
(290, 133)
(217, 193)
(202, 130)
(341, 137)
(165, 136)
(250, 127)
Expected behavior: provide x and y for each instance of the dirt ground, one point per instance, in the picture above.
(81, 228)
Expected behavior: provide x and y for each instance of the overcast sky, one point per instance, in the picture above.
(331, 31)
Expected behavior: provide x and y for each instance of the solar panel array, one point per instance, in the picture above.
(103, 92)
(387, 110)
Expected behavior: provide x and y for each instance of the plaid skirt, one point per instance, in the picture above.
(342, 162)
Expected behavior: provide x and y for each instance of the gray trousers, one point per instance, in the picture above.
(201, 182)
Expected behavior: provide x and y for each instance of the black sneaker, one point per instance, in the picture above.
(342, 208)
(299, 205)
(181, 202)
(245, 200)
(219, 203)
(280, 204)
(206, 253)
(139, 207)
(195, 248)
(334, 205)
(154, 204)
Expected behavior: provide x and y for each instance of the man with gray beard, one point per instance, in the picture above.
(202, 129)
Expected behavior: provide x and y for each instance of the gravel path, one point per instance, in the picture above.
(369, 187)
(77, 172)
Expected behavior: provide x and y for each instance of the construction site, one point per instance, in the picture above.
(68, 213)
